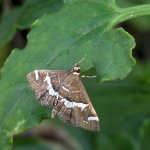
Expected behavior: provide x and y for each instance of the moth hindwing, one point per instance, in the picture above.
(65, 93)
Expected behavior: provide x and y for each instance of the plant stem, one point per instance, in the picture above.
(131, 12)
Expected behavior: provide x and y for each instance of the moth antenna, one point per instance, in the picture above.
(81, 60)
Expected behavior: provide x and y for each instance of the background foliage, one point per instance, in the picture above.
(62, 33)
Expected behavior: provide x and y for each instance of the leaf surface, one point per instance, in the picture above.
(24, 16)
(58, 41)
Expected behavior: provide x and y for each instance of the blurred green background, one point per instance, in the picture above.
(122, 106)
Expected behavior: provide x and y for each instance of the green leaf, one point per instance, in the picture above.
(141, 23)
(102, 1)
(123, 108)
(145, 134)
(24, 16)
(114, 141)
(58, 41)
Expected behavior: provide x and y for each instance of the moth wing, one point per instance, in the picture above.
(38, 83)
(88, 117)
(66, 94)
(82, 113)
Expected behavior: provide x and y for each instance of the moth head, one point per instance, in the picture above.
(76, 68)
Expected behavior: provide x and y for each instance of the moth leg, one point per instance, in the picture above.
(84, 76)
(54, 113)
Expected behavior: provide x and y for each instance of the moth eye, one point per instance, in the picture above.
(76, 68)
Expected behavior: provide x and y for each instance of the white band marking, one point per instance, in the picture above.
(69, 104)
(76, 73)
(36, 75)
(65, 88)
(63, 99)
(93, 118)
(50, 87)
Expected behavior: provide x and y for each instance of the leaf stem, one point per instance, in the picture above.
(131, 12)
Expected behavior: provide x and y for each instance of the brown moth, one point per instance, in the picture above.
(65, 93)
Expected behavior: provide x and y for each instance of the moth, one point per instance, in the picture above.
(64, 92)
